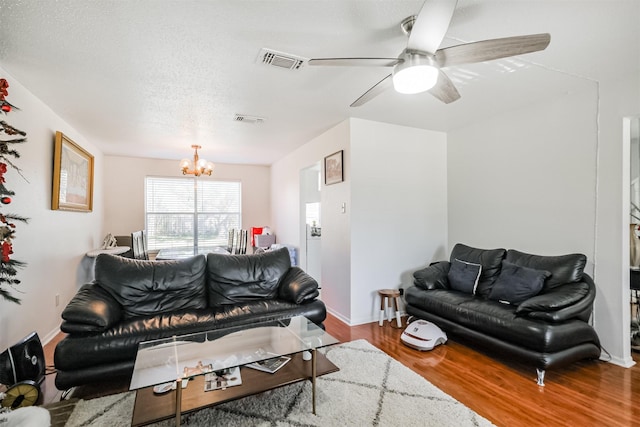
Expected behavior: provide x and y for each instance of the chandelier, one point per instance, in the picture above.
(196, 167)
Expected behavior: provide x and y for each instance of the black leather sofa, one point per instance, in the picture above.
(533, 307)
(131, 301)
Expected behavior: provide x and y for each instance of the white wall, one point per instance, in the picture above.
(394, 185)
(547, 179)
(53, 243)
(336, 265)
(617, 99)
(124, 191)
(526, 179)
(285, 196)
(398, 209)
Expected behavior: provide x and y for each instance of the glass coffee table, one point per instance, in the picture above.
(185, 359)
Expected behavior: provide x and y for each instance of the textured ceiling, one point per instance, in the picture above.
(149, 78)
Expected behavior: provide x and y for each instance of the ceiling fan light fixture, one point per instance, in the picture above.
(416, 74)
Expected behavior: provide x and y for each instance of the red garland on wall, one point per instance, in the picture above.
(8, 265)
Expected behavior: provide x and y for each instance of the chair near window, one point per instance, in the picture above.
(237, 243)
(242, 242)
(125, 241)
(139, 245)
(231, 240)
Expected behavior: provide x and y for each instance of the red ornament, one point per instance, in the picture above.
(6, 251)
(5, 200)
(3, 88)
(6, 108)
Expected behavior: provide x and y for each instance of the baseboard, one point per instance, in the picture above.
(360, 321)
(339, 316)
(626, 362)
(51, 335)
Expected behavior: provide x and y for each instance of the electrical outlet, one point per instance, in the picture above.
(57, 300)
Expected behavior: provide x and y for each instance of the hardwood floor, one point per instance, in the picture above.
(588, 393)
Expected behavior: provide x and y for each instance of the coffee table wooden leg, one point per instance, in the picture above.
(178, 401)
(313, 379)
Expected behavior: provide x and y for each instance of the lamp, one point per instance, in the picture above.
(415, 74)
(196, 167)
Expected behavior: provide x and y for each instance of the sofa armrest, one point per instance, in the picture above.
(297, 286)
(433, 277)
(92, 309)
(568, 301)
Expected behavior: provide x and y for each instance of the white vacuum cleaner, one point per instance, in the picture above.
(423, 335)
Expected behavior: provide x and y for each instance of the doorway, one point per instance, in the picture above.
(631, 132)
(311, 221)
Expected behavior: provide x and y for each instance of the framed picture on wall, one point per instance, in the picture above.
(333, 168)
(72, 176)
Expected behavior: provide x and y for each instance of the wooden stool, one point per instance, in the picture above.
(389, 295)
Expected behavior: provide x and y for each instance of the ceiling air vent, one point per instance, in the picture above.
(280, 59)
(248, 119)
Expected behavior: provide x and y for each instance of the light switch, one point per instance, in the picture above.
(344, 207)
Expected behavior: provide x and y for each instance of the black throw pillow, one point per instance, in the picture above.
(516, 284)
(463, 276)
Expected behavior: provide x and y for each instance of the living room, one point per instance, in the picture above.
(544, 175)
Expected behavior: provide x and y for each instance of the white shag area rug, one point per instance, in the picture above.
(371, 389)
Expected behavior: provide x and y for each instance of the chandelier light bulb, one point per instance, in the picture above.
(185, 164)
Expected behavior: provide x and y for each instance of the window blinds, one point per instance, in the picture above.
(187, 212)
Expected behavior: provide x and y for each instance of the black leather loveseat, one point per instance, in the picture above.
(131, 301)
(533, 307)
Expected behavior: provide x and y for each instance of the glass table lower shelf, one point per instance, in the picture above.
(191, 357)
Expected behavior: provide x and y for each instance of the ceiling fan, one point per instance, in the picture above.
(419, 66)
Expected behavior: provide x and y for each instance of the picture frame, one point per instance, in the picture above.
(333, 168)
(72, 176)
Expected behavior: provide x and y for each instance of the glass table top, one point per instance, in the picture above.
(184, 356)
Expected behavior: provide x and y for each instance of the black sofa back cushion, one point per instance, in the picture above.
(233, 279)
(490, 259)
(563, 268)
(150, 287)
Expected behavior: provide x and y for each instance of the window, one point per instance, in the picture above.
(189, 212)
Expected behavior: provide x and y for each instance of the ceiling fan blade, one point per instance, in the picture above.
(355, 62)
(488, 50)
(376, 90)
(431, 25)
(444, 89)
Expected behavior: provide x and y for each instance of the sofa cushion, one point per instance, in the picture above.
(463, 276)
(501, 322)
(516, 283)
(556, 299)
(433, 277)
(490, 259)
(563, 268)
(233, 279)
(121, 342)
(297, 286)
(441, 302)
(151, 287)
(92, 309)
